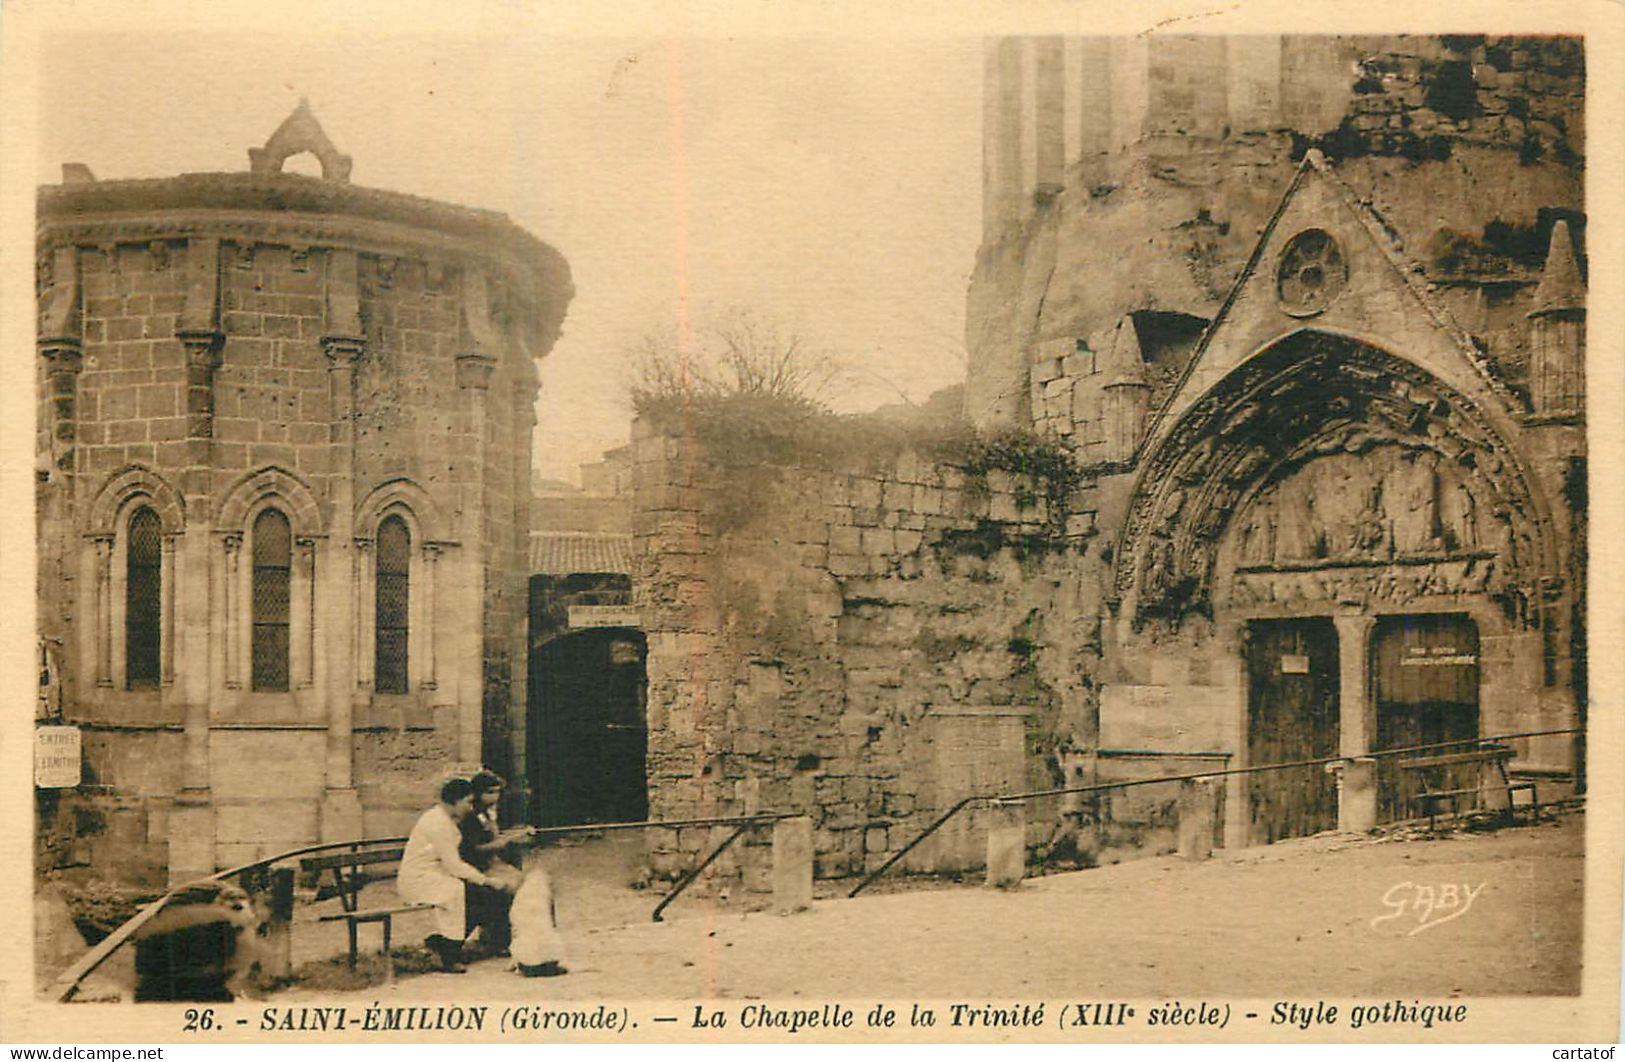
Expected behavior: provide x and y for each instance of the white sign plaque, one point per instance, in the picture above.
(583, 616)
(56, 757)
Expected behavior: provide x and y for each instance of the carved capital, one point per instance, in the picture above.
(202, 348)
(233, 541)
(474, 370)
(65, 354)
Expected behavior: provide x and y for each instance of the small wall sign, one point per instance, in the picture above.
(583, 617)
(58, 753)
(1294, 664)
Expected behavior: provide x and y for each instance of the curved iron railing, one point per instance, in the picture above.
(67, 983)
(1099, 787)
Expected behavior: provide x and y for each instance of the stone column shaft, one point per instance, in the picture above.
(166, 631)
(474, 380)
(431, 565)
(1003, 182)
(344, 343)
(1049, 122)
(104, 610)
(1356, 704)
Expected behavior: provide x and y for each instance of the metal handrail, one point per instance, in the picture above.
(67, 983)
(688, 879)
(1097, 787)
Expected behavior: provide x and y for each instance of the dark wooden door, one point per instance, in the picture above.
(1292, 715)
(1427, 692)
(588, 728)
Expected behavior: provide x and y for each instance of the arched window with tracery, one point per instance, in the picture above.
(272, 578)
(392, 608)
(143, 597)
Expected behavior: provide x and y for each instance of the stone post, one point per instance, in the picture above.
(792, 864)
(1356, 794)
(1198, 812)
(1006, 844)
(276, 950)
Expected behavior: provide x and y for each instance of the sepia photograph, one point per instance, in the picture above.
(1069, 529)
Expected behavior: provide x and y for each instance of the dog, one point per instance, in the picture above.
(199, 948)
(537, 949)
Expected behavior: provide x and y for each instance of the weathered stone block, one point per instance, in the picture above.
(1006, 845)
(845, 540)
(1198, 807)
(844, 565)
(1356, 794)
(1002, 506)
(879, 541)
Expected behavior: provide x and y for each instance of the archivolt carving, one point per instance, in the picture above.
(129, 483)
(1325, 453)
(403, 492)
(297, 499)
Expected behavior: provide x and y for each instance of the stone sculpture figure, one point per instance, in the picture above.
(1370, 524)
(1461, 516)
(1410, 490)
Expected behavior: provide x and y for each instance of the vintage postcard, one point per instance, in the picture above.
(1046, 523)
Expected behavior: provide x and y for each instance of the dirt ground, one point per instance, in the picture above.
(1466, 914)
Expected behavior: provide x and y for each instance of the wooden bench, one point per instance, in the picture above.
(353, 871)
(1489, 760)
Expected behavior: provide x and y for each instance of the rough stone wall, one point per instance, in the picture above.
(872, 643)
(853, 641)
(1491, 128)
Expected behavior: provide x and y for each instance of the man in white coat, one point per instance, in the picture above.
(432, 871)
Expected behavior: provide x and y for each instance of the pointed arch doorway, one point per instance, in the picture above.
(1328, 478)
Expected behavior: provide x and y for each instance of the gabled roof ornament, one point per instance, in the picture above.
(1561, 289)
(300, 132)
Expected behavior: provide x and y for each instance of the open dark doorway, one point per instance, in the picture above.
(1292, 715)
(1426, 671)
(588, 729)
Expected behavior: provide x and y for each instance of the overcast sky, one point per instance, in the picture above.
(832, 185)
